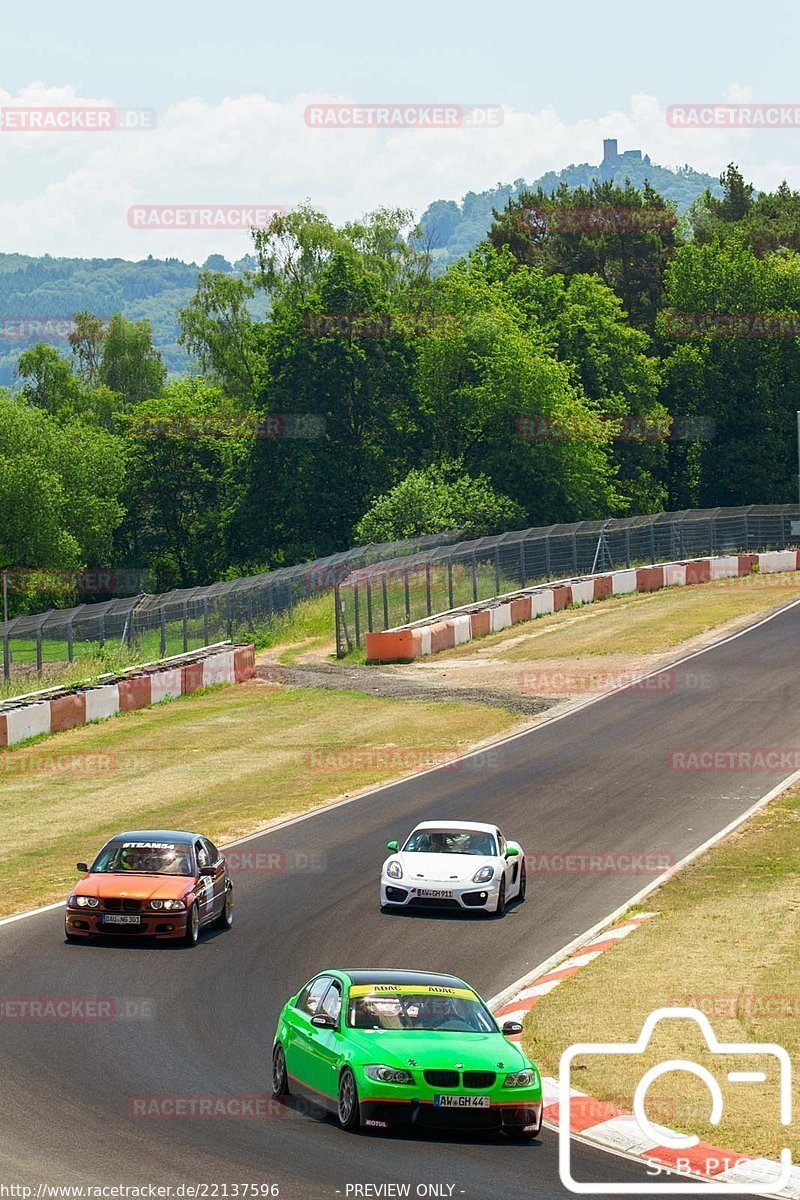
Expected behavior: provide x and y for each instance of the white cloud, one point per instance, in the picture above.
(69, 193)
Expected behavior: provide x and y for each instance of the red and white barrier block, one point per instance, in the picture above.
(419, 638)
(55, 711)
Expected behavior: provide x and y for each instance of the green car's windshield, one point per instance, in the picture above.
(451, 841)
(145, 858)
(454, 1010)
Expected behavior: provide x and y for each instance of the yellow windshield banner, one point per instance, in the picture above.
(409, 989)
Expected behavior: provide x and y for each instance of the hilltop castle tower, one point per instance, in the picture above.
(613, 160)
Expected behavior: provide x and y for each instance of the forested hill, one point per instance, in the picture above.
(451, 230)
(47, 291)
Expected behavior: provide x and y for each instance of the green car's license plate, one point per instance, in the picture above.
(461, 1101)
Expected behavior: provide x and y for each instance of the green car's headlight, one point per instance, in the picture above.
(394, 870)
(86, 901)
(483, 875)
(527, 1078)
(388, 1074)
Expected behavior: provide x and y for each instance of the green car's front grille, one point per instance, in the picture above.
(452, 1079)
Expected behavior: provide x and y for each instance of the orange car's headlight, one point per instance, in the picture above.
(167, 905)
(83, 901)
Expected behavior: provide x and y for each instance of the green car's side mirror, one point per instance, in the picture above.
(511, 852)
(391, 846)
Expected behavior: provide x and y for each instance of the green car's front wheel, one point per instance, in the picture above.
(347, 1108)
(280, 1078)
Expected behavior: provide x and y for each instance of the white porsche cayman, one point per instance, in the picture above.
(456, 865)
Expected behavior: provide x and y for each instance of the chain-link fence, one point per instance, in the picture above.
(383, 595)
(154, 626)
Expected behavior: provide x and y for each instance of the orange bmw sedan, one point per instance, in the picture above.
(152, 883)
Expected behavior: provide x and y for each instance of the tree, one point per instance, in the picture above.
(218, 328)
(86, 338)
(130, 364)
(623, 235)
(439, 498)
(48, 382)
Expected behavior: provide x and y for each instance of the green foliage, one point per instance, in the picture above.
(441, 497)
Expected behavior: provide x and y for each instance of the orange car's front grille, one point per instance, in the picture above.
(115, 904)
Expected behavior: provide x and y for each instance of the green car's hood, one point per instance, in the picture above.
(437, 1051)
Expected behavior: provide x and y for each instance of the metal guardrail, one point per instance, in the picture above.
(396, 591)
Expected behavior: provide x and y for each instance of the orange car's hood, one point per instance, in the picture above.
(135, 887)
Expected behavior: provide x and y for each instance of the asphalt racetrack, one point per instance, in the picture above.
(599, 780)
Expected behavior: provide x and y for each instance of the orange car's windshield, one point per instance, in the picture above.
(145, 858)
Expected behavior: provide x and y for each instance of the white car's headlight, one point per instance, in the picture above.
(86, 901)
(394, 870)
(388, 1074)
(483, 875)
(527, 1078)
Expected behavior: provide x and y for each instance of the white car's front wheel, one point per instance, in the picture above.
(500, 904)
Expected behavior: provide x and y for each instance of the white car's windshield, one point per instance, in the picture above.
(451, 841)
(458, 1012)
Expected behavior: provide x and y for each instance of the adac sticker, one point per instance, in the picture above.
(409, 989)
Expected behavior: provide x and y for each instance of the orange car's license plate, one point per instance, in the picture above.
(120, 919)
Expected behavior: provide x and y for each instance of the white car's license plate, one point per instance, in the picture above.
(120, 919)
(434, 894)
(461, 1101)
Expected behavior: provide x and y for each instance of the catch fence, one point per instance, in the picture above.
(175, 622)
(383, 595)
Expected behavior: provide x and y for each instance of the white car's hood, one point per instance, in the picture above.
(441, 868)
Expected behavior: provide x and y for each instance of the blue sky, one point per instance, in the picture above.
(230, 81)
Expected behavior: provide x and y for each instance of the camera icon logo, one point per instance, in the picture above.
(770, 1051)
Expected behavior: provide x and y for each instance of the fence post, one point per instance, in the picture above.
(338, 620)
(162, 617)
(497, 570)
(102, 639)
(450, 583)
(407, 595)
(652, 542)
(205, 620)
(575, 553)
(522, 564)
(228, 619)
(185, 627)
(474, 579)
(385, 599)
(70, 643)
(6, 657)
(369, 605)
(628, 545)
(357, 614)
(428, 588)
(547, 564)
(39, 650)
